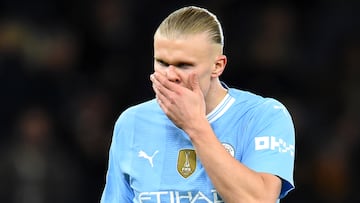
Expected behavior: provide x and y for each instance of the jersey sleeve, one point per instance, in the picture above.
(271, 144)
(117, 188)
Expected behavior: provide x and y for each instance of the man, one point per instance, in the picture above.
(199, 140)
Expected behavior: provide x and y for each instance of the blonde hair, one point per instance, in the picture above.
(191, 20)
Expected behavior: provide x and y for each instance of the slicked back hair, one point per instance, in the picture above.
(191, 20)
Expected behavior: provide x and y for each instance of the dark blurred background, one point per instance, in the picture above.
(69, 68)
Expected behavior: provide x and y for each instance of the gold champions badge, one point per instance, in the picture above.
(186, 163)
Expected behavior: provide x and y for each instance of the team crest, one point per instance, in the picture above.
(229, 149)
(186, 163)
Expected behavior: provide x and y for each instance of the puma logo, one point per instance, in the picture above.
(149, 158)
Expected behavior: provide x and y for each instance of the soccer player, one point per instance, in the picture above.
(199, 140)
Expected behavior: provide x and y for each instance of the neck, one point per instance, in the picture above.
(215, 95)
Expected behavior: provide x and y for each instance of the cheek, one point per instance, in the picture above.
(207, 81)
(158, 68)
(204, 85)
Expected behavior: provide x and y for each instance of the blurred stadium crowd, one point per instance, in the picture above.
(68, 69)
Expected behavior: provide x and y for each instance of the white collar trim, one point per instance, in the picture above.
(221, 108)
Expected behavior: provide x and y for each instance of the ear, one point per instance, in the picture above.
(219, 66)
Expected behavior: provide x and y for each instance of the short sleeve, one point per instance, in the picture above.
(117, 188)
(271, 144)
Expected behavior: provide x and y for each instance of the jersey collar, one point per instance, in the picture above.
(221, 108)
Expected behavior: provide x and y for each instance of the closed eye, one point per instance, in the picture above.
(181, 65)
(161, 62)
(184, 65)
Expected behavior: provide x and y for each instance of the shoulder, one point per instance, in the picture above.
(243, 96)
(144, 109)
(135, 116)
(258, 105)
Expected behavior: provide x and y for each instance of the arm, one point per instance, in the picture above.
(233, 180)
(117, 188)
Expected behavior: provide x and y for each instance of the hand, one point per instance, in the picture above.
(183, 105)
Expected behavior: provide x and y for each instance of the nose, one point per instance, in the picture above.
(172, 75)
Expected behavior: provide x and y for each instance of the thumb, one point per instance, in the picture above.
(194, 83)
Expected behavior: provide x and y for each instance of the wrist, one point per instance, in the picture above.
(199, 130)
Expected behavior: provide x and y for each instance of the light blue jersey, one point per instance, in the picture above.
(153, 161)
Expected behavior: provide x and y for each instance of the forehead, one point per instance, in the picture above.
(189, 47)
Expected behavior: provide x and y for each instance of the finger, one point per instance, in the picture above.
(155, 83)
(161, 89)
(163, 80)
(163, 102)
(154, 86)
